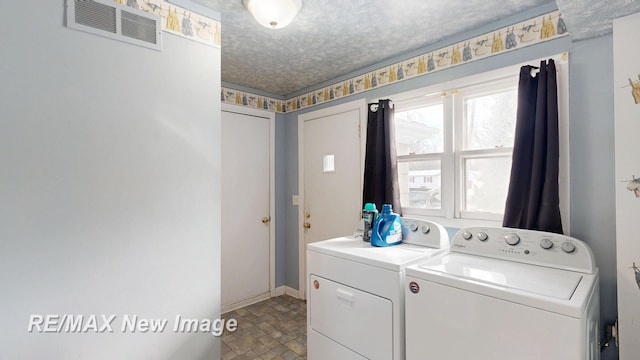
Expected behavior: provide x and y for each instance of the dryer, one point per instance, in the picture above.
(355, 296)
(504, 294)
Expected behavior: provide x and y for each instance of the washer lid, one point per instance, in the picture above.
(394, 258)
(539, 280)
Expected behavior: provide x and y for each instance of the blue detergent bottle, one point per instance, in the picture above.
(387, 229)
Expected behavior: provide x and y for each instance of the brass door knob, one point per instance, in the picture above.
(266, 219)
(307, 225)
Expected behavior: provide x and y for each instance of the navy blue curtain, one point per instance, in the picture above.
(380, 165)
(533, 200)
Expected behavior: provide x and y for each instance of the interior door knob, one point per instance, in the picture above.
(266, 219)
(307, 225)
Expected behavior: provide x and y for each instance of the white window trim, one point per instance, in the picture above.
(450, 218)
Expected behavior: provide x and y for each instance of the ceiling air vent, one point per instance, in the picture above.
(115, 21)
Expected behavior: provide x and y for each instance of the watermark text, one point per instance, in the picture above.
(109, 323)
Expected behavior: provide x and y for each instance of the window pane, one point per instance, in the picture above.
(490, 120)
(420, 131)
(486, 183)
(420, 184)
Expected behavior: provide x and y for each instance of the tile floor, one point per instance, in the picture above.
(270, 329)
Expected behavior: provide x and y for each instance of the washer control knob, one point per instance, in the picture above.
(425, 229)
(568, 247)
(413, 227)
(467, 235)
(512, 239)
(546, 244)
(483, 236)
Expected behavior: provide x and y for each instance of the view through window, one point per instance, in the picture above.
(464, 138)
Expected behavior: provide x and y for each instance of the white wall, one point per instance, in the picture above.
(109, 187)
(627, 129)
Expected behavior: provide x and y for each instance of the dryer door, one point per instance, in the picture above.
(355, 319)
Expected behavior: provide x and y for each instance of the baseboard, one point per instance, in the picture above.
(292, 292)
(242, 303)
(285, 290)
(280, 290)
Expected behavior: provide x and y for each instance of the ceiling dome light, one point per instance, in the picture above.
(274, 14)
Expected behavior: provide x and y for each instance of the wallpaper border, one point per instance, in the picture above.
(516, 36)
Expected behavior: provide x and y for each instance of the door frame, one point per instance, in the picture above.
(361, 106)
(272, 183)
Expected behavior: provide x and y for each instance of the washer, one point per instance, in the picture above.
(355, 302)
(504, 294)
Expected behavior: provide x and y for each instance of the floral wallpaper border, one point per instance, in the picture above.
(530, 32)
(179, 21)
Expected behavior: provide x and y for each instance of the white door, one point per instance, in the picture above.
(246, 189)
(332, 154)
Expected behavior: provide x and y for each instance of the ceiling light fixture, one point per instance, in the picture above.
(274, 14)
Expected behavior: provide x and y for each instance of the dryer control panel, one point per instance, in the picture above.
(527, 246)
(424, 233)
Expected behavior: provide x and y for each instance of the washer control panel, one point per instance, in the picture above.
(424, 233)
(528, 246)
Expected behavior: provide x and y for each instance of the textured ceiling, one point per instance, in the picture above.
(330, 38)
(590, 18)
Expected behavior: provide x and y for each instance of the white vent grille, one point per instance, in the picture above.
(115, 21)
(139, 27)
(96, 15)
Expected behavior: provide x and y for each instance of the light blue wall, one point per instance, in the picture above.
(592, 162)
(281, 202)
(591, 147)
(291, 211)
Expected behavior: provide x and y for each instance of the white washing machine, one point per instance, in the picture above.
(504, 294)
(355, 296)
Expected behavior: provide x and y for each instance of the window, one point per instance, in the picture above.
(487, 123)
(454, 150)
(420, 145)
(455, 143)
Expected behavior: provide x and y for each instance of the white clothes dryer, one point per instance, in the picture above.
(355, 296)
(504, 294)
